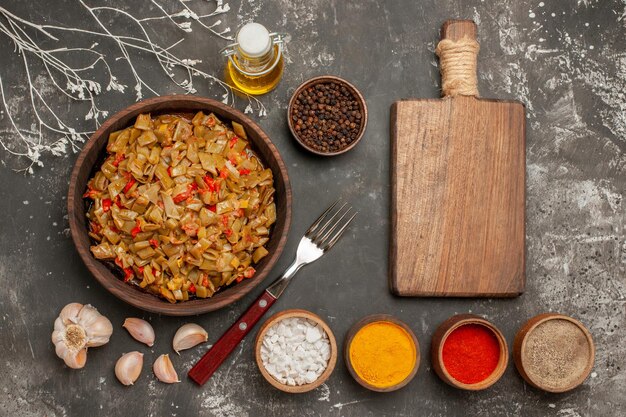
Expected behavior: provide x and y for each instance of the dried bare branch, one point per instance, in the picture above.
(55, 133)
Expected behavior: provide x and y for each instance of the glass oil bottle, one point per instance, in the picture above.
(255, 61)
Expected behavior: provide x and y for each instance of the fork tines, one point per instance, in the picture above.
(329, 227)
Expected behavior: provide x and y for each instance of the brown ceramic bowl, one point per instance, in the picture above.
(324, 80)
(331, 361)
(519, 346)
(372, 319)
(90, 159)
(439, 338)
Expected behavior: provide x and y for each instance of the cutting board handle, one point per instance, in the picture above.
(458, 55)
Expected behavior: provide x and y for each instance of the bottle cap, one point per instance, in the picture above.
(254, 40)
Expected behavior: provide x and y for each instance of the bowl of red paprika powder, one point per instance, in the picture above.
(468, 352)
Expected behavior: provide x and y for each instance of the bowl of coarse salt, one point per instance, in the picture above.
(296, 351)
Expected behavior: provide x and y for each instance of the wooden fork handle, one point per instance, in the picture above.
(217, 354)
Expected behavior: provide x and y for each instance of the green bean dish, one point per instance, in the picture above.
(182, 207)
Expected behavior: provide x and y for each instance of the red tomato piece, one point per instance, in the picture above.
(128, 274)
(129, 185)
(106, 204)
(118, 158)
(136, 230)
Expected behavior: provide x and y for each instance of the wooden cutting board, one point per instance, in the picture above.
(458, 193)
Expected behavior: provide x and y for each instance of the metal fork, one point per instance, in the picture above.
(317, 240)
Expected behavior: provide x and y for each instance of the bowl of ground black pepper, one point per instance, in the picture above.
(554, 352)
(327, 115)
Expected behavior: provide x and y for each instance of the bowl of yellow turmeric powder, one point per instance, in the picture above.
(381, 353)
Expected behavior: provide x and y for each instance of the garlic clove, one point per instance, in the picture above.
(59, 326)
(140, 330)
(188, 336)
(128, 367)
(57, 337)
(164, 370)
(70, 313)
(74, 360)
(87, 315)
(99, 332)
(61, 349)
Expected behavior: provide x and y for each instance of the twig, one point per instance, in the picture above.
(54, 133)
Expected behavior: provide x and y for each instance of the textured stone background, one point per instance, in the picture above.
(565, 59)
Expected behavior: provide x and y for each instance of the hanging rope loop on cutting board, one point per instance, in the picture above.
(457, 62)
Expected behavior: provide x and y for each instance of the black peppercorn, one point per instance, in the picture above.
(326, 117)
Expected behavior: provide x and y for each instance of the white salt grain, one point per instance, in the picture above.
(295, 351)
(313, 335)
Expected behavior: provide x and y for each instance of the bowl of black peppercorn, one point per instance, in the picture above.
(327, 115)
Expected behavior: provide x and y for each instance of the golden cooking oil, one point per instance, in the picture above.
(255, 62)
(254, 84)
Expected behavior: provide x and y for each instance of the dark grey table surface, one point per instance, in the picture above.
(565, 60)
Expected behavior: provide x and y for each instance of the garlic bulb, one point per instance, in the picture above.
(188, 336)
(164, 370)
(77, 328)
(140, 330)
(128, 367)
